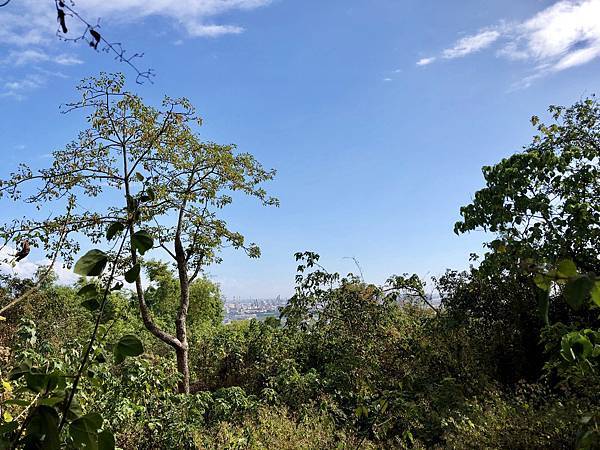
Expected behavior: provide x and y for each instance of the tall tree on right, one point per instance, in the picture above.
(544, 203)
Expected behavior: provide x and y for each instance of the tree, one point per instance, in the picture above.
(162, 296)
(544, 203)
(171, 184)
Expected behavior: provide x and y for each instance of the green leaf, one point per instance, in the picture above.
(575, 346)
(128, 345)
(75, 411)
(132, 274)
(88, 291)
(542, 281)
(91, 264)
(20, 370)
(36, 382)
(577, 291)
(567, 268)
(51, 401)
(142, 241)
(595, 293)
(42, 430)
(106, 441)
(150, 193)
(139, 176)
(114, 228)
(8, 427)
(41, 382)
(91, 304)
(84, 431)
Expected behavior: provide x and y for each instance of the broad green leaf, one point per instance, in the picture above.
(132, 274)
(51, 401)
(75, 411)
(128, 345)
(36, 382)
(142, 241)
(20, 370)
(567, 268)
(41, 382)
(42, 431)
(575, 346)
(139, 176)
(84, 431)
(577, 291)
(91, 264)
(113, 229)
(88, 291)
(106, 441)
(91, 304)
(542, 281)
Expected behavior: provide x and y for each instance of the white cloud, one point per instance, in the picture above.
(28, 30)
(33, 22)
(426, 61)
(562, 36)
(196, 16)
(27, 268)
(471, 44)
(18, 88)
(36, 56)
(67, 60)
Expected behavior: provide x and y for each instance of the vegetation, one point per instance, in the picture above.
(507, 358)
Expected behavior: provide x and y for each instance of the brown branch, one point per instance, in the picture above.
(48, 270)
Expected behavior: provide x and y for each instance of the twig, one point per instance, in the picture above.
(110, 47)
(48, 270)
(92, 339)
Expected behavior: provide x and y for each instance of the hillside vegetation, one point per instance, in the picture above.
(503, 355)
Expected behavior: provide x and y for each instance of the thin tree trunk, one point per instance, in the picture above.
(179, 346)
(181, 322)
(183, 368)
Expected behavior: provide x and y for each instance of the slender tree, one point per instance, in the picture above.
(172, 186)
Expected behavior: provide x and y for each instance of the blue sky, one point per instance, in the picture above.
(377, 114)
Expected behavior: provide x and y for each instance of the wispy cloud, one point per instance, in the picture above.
(28, 30)
(18, 89)
(196, 16)
(471, 44)
(28, 268)
(426, 61)
(33, 22)
(36, 56)
(562, 36)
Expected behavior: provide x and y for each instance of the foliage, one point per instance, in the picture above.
(503, 355)
(154, 162)
(545, 201)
